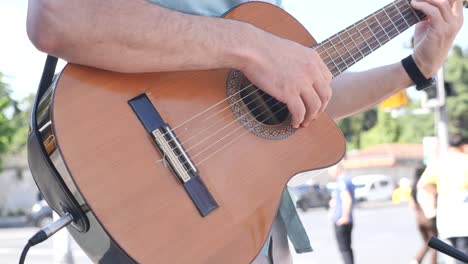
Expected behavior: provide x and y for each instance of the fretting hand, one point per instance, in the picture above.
(434, 36)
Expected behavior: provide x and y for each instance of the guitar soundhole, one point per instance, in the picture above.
(262, 106)
(257, 111)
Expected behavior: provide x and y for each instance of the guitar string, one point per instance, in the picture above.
(219, 121)
(229, 143)
(325, 50)
(388, 22)
(223, 137)
(247, 130)
(252, 119)
(364, 41)
(232, 141)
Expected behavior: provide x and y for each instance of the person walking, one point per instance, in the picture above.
(342, 205)
(424, 204)
(450, 175)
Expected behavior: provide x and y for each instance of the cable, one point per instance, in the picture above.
(45, 233)
(25, 251)
(445, 248)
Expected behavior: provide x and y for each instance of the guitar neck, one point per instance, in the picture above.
(350, 45)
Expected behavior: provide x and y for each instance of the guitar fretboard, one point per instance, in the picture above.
(350, 45)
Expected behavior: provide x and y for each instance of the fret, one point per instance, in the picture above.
(365, 33)
(390, 29)
(379, 32)
(370, 29)
(349, 56)
(398, 10)
(381, 26)
(328, 56)
(410, 13)
(350, 45)
(393, 23)
(411, 8)
(340, 65)
(355, 50)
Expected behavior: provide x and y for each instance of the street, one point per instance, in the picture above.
(382, 234)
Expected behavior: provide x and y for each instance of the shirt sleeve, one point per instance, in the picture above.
(430, 175)
(345, 185)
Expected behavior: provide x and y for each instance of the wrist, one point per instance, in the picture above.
(425, 68)
(243, 50)
(415, 74)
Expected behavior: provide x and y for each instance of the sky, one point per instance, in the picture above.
(22, 64)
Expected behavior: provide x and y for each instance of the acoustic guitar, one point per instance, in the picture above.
(186, 167)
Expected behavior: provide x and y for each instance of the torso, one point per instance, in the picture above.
(205, 7)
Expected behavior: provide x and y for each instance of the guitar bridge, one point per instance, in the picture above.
(174, 154)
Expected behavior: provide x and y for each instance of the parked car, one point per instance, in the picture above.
(41, 214)
(373, 187)
(311, 196)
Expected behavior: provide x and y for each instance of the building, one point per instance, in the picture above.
(18, 192)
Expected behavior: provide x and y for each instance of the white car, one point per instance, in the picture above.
(373, 187)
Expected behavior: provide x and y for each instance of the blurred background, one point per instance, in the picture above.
(386, 145)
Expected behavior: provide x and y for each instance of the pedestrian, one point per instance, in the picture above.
(450, 174)
(342, 205)
(424, 204)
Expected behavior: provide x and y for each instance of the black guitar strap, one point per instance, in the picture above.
(47, 75)
(46, 176)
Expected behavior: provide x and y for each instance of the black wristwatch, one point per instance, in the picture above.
(415, 74)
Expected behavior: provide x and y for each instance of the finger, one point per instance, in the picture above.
(312, 104)
(325, 93)
(457, 11)
(431, 11)
(297, 109)
(327, 75)
(322, 85)
(444, 7)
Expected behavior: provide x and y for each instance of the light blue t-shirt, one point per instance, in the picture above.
(205, 7)
(343, 184)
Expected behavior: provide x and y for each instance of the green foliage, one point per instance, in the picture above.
(20, 121)
(14, 118)
(456, 71)
(415, 127)
(354, 126)
(6, 128)
(377, 127)
(387, 129)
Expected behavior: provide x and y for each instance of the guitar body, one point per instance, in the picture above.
(135, 197)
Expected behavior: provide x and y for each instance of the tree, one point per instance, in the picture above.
(387, 129)
(372, 127)
(7, 129)
(353, 127)
(456, 71)
(20, 122)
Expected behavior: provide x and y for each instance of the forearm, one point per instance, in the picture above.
(359, 91)
(136, 36)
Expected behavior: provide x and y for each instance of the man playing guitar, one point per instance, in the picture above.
(137, 36)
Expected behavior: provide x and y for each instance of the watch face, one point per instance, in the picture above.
(428, 86)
